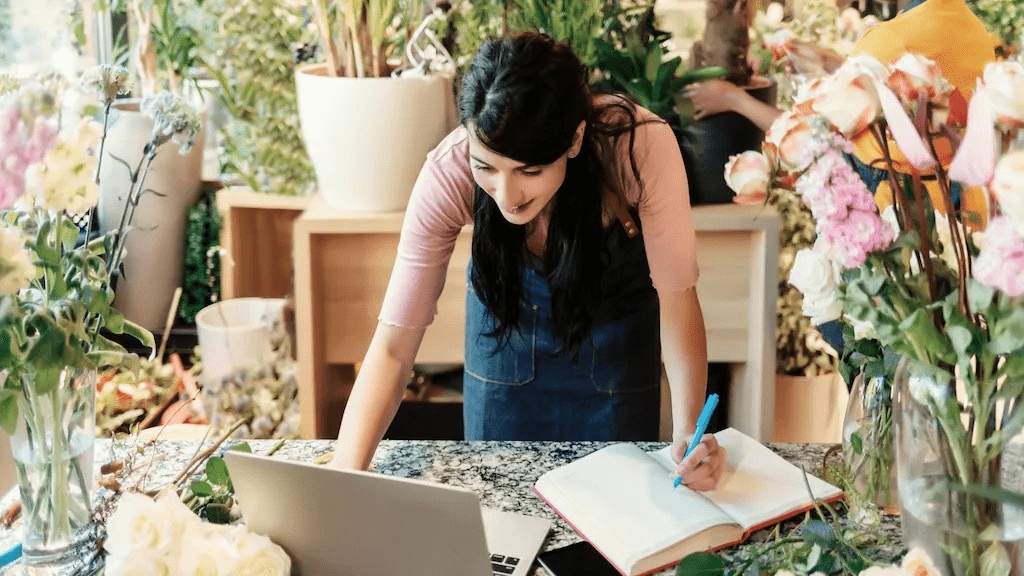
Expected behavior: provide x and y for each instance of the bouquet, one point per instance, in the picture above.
(936, 277)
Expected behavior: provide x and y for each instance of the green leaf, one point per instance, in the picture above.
(217, 513)
(700, 564)
(217, 471)
(818, 532)
(242, 447)
(856, 443)
(652, 62)
(201, 488)
(960, 337)
(8, 410)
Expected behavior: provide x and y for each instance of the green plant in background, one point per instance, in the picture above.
(799, 347)
(6, 49)
(636, 64)
(201, 281)
(575, 22)
(1004, 18)
(255, 73)
(473, 22)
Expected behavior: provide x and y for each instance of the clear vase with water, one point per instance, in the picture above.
(949, 467)
(869, 451)
(53, 456)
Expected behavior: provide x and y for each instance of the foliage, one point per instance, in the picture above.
(124, 399)
(1004, 18)
(638, 65)
(212, 496)
(56, 297)
(202, 266)
(255, 74)
(574, 22)
(6, 49)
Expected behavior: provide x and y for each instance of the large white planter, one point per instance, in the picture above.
(155, 246)
(368, 137)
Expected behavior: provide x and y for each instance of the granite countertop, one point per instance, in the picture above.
(501, 473)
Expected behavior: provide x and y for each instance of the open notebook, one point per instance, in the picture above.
(621, 499)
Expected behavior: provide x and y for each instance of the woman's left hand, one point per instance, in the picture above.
(703, 468)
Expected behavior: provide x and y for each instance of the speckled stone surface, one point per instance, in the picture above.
(501, 473)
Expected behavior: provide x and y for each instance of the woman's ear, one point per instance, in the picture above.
(577, 139)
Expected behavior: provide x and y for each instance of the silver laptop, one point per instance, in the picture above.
(340, 522)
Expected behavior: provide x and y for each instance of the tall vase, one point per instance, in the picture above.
(155, 246)
(942, 448)
(53, 457)
(869, 451)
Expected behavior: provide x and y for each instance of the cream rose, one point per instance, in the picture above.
(748, 175)
(789, 140)
(140, 564)
(912, 75)
(1005, 81)
(848, 100)
(259, 556)
(139, 526)
(207, 550)
(1008, 186)
(16, 267)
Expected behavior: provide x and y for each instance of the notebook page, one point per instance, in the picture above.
(758, 485)
(622, 500)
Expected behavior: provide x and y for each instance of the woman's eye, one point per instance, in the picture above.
(479, 168)
(532, 172)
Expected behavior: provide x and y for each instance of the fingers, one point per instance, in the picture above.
(703, 468)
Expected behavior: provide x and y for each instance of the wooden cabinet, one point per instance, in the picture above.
(343, 263)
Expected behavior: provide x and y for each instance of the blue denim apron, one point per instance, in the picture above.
(527, 390)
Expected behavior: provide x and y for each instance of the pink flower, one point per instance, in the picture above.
(1001, 261)
(975, 160)
(902, 129)
(1006, 81)
(857, 236)
(847, 99)
(19, 148)
(748, 175)
(788, 142)
(912, 75)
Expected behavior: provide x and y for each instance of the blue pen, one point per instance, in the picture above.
(698, 433)
(11, 555)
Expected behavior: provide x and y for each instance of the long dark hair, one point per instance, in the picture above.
(524, 97)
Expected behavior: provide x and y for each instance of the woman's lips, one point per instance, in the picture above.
(520, 207)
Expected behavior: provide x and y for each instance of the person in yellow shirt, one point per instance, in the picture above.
(947, 32)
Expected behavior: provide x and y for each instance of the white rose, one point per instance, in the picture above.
(176, 513)
(1005, 80)
(1008, 186)
(16, 267)
(814, 275)
(258, 556)
(207, 550)
(140, 564)
(748, 175)
(774, 14)
(139, 526)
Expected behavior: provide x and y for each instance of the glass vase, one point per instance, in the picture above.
(947, 457)
(869, 451)
(53, 456)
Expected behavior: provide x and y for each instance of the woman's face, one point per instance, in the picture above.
(521, 191)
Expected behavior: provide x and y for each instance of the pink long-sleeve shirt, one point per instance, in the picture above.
(442, 203)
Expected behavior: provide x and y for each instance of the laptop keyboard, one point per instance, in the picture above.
(502, 565)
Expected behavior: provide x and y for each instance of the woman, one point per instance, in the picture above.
(565, 331)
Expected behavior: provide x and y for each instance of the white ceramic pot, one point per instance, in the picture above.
(235, 334)
(155, 245)
(367, 138)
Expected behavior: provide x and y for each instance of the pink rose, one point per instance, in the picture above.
(912, 75)
(748, 175)
(1005, 81)
(848, 100)
(1000, 264)
(788, 142)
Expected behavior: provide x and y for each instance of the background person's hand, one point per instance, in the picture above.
(714, 96)
(703, 468)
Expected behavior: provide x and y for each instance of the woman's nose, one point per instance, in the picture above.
(505, 192)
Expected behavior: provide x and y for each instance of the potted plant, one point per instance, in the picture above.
(367, 122)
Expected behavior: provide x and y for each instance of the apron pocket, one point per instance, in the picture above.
(511, 362)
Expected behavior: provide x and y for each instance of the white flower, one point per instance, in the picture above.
(917, 563)
(1005, 80)
(173, 119)
(207, 550)
(259, 556)
(1008, 186)
(774, 14)
(140, 564)
(139, 526)
(63, 180)
(748, 174)
(109, 81)
(16, 268)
